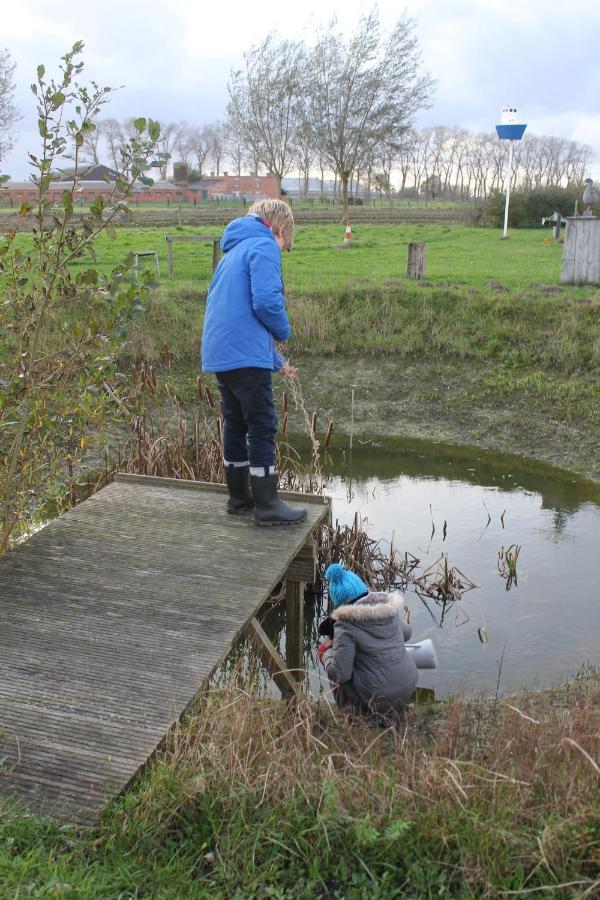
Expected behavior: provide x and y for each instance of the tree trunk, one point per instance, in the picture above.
(345, 176)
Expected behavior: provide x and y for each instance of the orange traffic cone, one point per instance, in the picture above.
(348, 236)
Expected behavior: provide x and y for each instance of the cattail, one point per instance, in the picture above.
(328, 433)
(313, 425)
(209, 398)
(284, 423)
(284, 403)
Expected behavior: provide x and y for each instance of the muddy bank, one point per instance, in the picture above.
(454, 402)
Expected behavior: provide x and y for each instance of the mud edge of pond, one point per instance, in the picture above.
(443, 402)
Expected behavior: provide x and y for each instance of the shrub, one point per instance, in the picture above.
(527, 208)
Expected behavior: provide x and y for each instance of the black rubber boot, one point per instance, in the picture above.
(269, 508)
(238, 485)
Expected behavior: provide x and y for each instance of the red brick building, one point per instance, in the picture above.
(100, 181)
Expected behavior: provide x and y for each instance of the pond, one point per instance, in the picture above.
(540, 630)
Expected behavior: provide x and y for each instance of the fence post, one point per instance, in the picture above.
(216, 253)
(170, 257)
(416, 261)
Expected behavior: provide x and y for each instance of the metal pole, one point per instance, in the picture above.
(352, 418)
(510, 159)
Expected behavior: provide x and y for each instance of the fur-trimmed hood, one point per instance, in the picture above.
(371, 610)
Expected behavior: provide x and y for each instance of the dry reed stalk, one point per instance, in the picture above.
(443, 583)
(472, 759)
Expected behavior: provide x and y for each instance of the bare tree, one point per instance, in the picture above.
(235, 148)
(90, 150)
(405, 153)
(216, 144)
(265, 101)
(305, 153)
(363, 91)
(183, 144)
(169, 133)
(114, 138)
(9, 114)
(200, 139)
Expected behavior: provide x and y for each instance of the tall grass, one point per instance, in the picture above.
(250, 798)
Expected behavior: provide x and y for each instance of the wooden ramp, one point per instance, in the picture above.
(112, 618)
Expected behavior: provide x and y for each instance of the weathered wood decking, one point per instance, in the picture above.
(111, 620)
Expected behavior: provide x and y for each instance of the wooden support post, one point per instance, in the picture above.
(294, 628)
(170, 257)
(416, 261)
(216, 253)
(271, 659)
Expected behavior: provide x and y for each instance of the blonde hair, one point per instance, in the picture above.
(278, 214)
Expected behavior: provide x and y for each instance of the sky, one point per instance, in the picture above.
(173, 59)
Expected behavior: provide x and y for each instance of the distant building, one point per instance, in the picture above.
(99, 181)
(294, 188)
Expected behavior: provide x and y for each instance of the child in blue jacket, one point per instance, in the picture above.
(245, 315)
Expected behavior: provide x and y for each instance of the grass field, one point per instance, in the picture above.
(377, 254)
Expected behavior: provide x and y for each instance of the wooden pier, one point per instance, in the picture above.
(112, 619)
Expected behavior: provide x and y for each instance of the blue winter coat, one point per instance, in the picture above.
(245, 308)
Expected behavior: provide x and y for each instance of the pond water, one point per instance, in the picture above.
(540, 631)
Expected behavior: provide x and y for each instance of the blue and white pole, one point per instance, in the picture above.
(509, 130)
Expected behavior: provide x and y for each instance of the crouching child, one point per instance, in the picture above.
(367, 661)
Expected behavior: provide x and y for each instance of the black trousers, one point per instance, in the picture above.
(250, 422)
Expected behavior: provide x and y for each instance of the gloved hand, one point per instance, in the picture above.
(322, 648)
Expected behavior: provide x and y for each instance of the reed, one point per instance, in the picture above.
(507, 564)
(304, 797)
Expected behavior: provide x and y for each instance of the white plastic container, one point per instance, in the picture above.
(423, 653)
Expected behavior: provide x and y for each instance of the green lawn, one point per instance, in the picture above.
(376, 255)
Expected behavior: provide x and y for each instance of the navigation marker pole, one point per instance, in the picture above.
(509, 130)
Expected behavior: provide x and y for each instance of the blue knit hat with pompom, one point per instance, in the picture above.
(344, 586)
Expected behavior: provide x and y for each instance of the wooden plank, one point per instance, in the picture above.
(192, 238)
(208, 486)
(272, 660)
(112, 619)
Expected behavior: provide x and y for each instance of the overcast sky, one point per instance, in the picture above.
(173, 58)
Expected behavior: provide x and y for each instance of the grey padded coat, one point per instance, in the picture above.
(368, 657)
